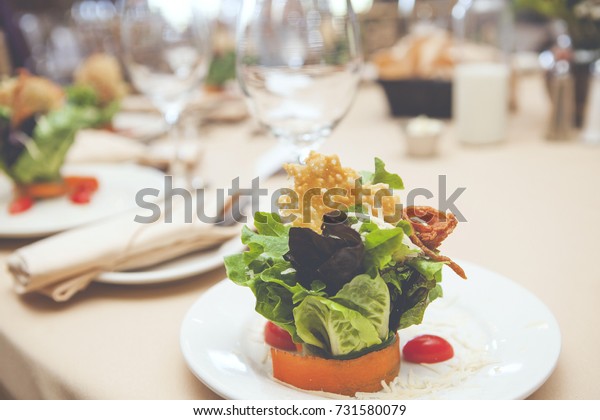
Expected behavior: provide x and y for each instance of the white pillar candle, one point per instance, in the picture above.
(480, 102)
(591, 131)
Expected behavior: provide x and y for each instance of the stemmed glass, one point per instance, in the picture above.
(166, 49)
(298, 63)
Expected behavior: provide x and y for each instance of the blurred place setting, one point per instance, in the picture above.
(120, 118)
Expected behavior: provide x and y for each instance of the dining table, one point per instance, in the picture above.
(529, 207)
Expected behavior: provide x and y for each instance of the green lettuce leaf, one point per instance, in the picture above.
(381, 175)
(283, 275)
(412, 286)
(93, 113)
(371, 298)
(270, 224)
(273, 247)
(382, 246)
(330, 326)
(405, 226)
(4, 112)
(431, 270)
(45, 153)
(435, 293)
(81, 95)
(275, 303)
(221, 69)
(268, 243)
(238, 271)
(6, 149)
(263, 269)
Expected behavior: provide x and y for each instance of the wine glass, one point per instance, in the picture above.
(166, 49)
(298, 64)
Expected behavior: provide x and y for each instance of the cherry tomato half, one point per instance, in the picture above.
(75, 183)
(20, 204)
(81, 196)
(278, 337)
(427, 349)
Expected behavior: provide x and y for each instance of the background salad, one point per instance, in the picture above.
(39, 121)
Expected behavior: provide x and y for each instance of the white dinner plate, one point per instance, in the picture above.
(119, 184)
(506, 343)
(179, 268)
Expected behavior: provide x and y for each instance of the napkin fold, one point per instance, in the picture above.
(66, 263)
(102, 146)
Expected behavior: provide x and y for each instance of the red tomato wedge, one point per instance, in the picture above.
(427, 349)
(81, 196)
(278, 337)
(20, 205)
(81, 188)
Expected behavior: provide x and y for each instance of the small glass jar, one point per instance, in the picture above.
(423, 136)
(481, 84)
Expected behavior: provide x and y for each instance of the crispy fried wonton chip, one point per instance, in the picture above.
(102, 73)
(7, 92)
(323, 185)
(34, 95)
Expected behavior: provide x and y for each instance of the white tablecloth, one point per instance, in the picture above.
(531, 207)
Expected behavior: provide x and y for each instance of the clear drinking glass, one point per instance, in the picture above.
(298, 63)
(166, 49)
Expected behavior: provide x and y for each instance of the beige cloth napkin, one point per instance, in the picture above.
(102, 146)
(62, 265)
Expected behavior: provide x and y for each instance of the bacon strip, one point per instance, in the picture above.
(431, 225)
(435, 234)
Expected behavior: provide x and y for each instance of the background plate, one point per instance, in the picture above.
(119, 184)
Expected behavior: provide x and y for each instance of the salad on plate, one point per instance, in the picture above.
(38, 124)
(339, 273)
